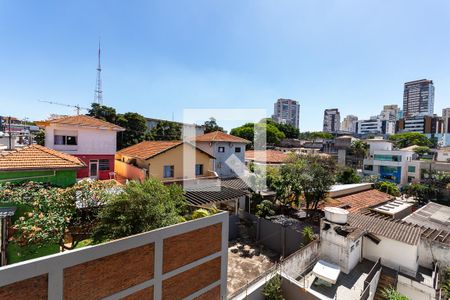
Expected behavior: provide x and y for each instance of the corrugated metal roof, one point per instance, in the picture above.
(212, 194)
(388, 228)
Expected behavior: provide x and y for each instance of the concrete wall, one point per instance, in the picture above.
(414, 290)
(237, 159)
(186, 260)
(394, 254)
(293, 291)
(433, 251)
(90, 140)
(297, 262)
(62, 178)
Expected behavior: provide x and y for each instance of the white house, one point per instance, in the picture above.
(92, 140)
(229, 151)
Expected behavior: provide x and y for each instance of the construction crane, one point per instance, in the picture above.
(77, 107)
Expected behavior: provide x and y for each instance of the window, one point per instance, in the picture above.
(168, 171)
(368, 167)
(237, 149)
(103, 164)
(221, 149)
(65, 140)
(198, 170)
(386, 157)
(411, 169)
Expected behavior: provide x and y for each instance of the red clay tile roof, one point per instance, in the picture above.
(266, 156)
(83, 121)
(37, 157)
(359, 200)
(219, 136)
(149, 149)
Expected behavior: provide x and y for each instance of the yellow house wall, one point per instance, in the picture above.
(175, 157)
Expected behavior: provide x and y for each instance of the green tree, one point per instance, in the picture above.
(315, 135)
(166, 131)
(135, 129)
(406, 139)
(259, 134)
(347, 175)
(388, 188)
(103, 112)
(421, 192)
(290, 132)
(359, 149)
(141, 207)
(272, 289)
(211, 125)
(422, 150)
(40, 137)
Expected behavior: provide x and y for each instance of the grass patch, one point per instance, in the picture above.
(16, 254)
(84, 243)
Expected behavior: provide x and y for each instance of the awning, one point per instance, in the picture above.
(327, 271)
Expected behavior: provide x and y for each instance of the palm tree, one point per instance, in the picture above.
(360, 150)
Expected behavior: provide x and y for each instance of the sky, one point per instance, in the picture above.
(162, 57)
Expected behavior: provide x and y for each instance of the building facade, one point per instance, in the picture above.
(91, 140)
(169, 161)
(390, 112)
(349, 123)
(228, 150)
(331, 120)
(287, 111)
(418, 98)
(375, 126)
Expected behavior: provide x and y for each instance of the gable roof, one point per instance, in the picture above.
(149, 149)
(219, 136)
(432, 215)
(388, 228)
(82, 121)
(37, 157)
(266, 156)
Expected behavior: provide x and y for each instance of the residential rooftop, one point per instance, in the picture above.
(36, 157)
(432, 215)
(266, 156)
(82, 121)
(219, 136)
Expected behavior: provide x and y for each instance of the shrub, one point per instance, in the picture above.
(272, 289)
(347, 176)
(388, 188)
(265, 209)
(308, 234)
(391, 294)
(199, 213)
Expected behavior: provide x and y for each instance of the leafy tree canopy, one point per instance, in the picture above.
(166, 130)
(406, 139)
(347, 175)
(290, 132)
(211, 125)
(315, 135)
(422, 150)
(141, 207)
(40, 137)
(135, 129)
(388, 188)
(259, 133)
(103, 112)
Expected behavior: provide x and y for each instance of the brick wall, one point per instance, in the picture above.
(188, 259)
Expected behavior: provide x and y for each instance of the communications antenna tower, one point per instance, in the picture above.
(98, 97)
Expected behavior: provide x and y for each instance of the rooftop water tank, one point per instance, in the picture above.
(336, 215)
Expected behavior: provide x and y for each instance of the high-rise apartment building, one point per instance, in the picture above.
(390, 112)
(446, 120)
(331, 120)
(287, 111)
(349, 123)
(418, 98)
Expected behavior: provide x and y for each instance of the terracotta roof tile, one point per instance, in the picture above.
(37, 157)
(219, 136)
(360, 200)
(83, 121)
(148, 149)
(266, 156)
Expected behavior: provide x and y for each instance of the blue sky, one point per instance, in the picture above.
(160, 57)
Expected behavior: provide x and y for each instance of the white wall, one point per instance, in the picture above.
(414, 290)
(433, 251)
(221, 167)
(394, 254)
(90, 141)
(378, 145)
